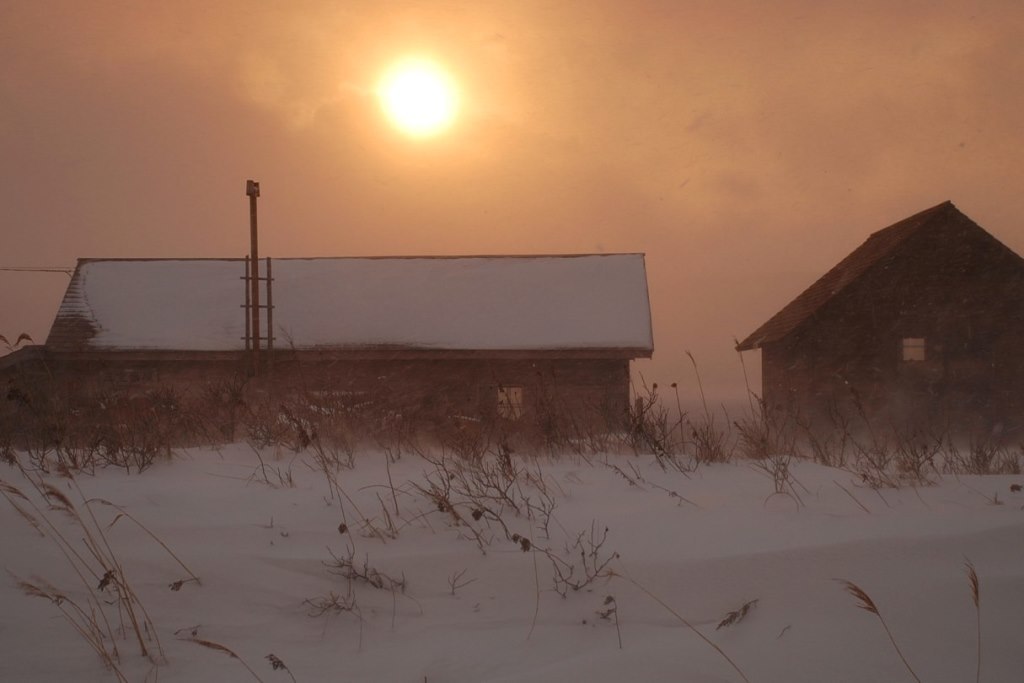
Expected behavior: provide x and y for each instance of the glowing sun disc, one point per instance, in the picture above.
(418, 97)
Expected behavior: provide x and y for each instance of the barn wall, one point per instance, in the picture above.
(591, 389)
(471, 386)
(958, 289)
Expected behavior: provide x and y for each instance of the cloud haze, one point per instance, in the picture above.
(744, 146)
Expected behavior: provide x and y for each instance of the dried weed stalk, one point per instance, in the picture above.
(682, 620)
(865, 602)
(737, 615)
(95, 563)
(217, 647)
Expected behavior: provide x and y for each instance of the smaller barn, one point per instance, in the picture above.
(497, 336)
(920, 325)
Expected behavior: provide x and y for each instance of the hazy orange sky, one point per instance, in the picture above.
(744, 146)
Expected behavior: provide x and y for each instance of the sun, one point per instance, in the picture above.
(419, 97)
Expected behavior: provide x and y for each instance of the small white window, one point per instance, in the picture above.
(510, 402)
(913, 349)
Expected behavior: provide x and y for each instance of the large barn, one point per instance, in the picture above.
(491, 335)
(921, 324)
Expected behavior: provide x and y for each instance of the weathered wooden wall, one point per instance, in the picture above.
(424, 388)
(957, 288)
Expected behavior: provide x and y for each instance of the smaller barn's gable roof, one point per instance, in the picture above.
(879, 247)
(485, 303)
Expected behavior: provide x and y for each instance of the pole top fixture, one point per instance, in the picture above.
(252, 188)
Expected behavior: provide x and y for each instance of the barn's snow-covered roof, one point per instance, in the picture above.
(446, 303)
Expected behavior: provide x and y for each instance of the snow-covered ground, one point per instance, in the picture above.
(266, 542)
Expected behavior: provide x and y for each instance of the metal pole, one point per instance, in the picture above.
(245, 311)
(270, 318)
(252, 190)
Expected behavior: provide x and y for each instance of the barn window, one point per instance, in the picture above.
(913, 348)
(510, 402)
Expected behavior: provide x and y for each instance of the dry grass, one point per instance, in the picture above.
(710, 442)
(610, 611)
(99, 572)
(682, 620)
(105, 603)
(91, 629)
(865, 602)
(975, 584)
(651, 428)
(223, 649)
(277, 664)
(737, 615)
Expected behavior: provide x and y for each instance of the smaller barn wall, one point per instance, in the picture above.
(955, 288)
